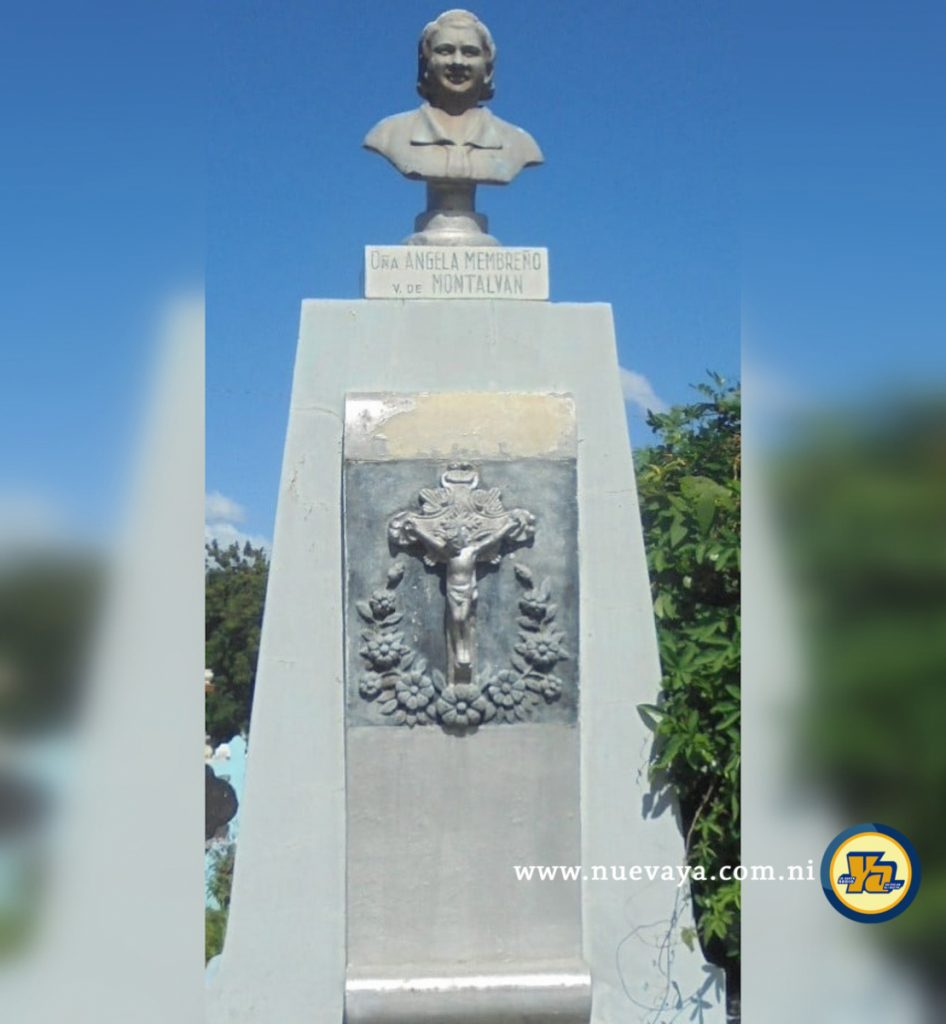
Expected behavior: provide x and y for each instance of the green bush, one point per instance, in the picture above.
(689, 489)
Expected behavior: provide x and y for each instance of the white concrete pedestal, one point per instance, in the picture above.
(285, 954)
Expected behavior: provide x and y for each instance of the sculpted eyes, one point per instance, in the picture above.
(446, 49)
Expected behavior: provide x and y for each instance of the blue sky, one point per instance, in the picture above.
(636, 201)
(146, 148)
(842, 203)
(101, 217)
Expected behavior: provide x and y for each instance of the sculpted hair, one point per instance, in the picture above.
(455, 17)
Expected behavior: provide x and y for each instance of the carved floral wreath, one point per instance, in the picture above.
(405, 688)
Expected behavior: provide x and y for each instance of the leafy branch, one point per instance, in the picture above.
(689, 487)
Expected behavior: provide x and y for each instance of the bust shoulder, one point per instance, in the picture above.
(484, 149)
(392, 138)
(390, 130)
(521, 144)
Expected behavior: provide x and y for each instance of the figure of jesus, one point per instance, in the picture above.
(453, 531)
(460, 585)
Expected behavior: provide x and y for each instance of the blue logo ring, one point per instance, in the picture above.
(828, 884)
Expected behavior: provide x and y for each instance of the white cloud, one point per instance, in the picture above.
(638, 391)
(28, 516)
(218, 508)
(226, 534)
(222, 519)
(33, 523)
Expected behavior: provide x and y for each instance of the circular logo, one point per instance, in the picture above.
(870, 873)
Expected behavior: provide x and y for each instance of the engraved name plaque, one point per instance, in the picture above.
(455, 272)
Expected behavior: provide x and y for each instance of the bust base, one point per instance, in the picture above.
(450, 227)
(450, 217)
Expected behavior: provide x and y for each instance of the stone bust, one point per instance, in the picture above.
(451, 137)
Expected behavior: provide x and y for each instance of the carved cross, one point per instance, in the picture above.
(459, 527)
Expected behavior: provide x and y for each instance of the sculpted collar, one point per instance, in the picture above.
(483, 133)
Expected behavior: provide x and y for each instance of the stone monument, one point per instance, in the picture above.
(458, 630)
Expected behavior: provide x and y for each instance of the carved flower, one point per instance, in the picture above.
(414, 690)
(384, 652)
(532, 607)
(507, 690)
(543, 652)
(370, 686)
(462, 706)
(382, 604)
(550, 688)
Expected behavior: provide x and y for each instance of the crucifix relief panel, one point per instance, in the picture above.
(461, 583)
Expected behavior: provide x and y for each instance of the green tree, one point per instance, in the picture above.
(219, 884)
(235, 590)
(862, 502)
(49, 604)
(689, 488)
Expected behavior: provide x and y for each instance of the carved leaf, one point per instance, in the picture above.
(491, 502)
(393, 618)
(524, 576)
(421, 665)
(407, 660)
(389, 707)
(489, 714)
(522, 713)
(530, 624)
(433, 498)
(518, 664)
(401, 717)
(395, 575)
(364, 610)
(545, 591)
(551, 612)
(438, 679)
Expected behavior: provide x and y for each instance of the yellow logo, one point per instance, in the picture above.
(870, 873)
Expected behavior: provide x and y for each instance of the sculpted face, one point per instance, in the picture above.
(457, 67)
